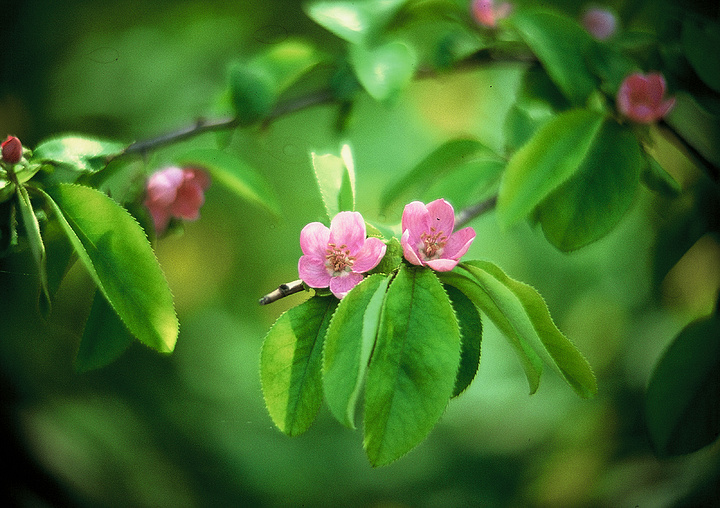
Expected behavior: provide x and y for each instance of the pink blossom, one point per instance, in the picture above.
(641, 97)
(428, 238)
(336, 257)
(601, 23)
(487, 13)
(175, 193)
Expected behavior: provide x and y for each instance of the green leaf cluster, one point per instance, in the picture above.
(411, 340)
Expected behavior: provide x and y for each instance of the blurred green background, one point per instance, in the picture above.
(190, 429)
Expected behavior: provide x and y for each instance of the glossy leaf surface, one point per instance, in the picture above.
(549, 159)
(523, 306)
(470, 337)
(83, 154)
(413, 368)
(384, 70)
(348, 345)
(291, 364)
(562, 46)
(354, 21)
(118, 256)
(599, 194)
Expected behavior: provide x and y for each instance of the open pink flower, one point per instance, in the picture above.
(641, 97)
(428, 238)
(601, 23)
(175, 193)
(487, 13)
(336, 257)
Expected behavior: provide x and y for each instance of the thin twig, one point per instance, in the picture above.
(282, 291)
(467, 214)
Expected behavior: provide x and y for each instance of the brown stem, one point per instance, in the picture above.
(282, 291)
(467, 214)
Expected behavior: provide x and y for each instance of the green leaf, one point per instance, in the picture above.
(524, 306)
(37, 247)
(252, 92)
(393, 257)
(549, 159)
(413, 368)
(515, 330)
(78, 153)
(349, 342)
(454, 155)
(255, 85)
(698, 35)
(562, 46)
(291, 364)
(470, 338)
(681, 404)
(104, 339)
(657, 179)
(384, 70)
(336, 180)
(354, 21)
(697, 125)
(118, 256)
(236, 175)
(592, 202)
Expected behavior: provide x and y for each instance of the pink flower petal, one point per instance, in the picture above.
(655, 88)
(313, 272)
(459, 243)
(442, 265)
(442, 216)
(369, 255)
(348, 228)
(416, 220)
(410, 251)
(314, 239)
(188, 200)
(340, 286)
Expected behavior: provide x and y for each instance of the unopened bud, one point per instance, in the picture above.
(11, 150)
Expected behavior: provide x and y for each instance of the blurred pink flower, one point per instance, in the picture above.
(487, 13)
(641, 97)
(428, 238)
(175, 193)
(336, 257)
(601, 23)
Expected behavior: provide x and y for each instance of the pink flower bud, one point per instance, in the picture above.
(487, 13)
(641, 98)
(11, 150)
(601, 23)
(175, 193)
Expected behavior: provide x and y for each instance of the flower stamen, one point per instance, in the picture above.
(338, 259)
(433, 243)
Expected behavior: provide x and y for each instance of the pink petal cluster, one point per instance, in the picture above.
(428, 237)
(601, 23)
(337, 257)
(487, 13)
(175, 193)
(641, 98)
(11, 150)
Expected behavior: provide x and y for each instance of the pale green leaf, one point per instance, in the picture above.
(526, 309)
(80, 153)
(354, 21)
(336, 180)
(385, 70)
